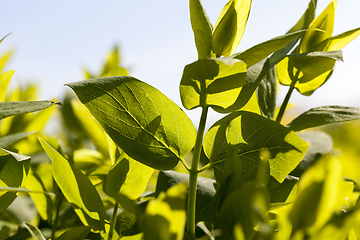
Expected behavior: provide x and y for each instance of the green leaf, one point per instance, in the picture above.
(164, 217)
(91, 128)
(77, 189)
(127, 177)
(5, 79)
(239, 207)
(75, 233)
(317, 196)
(14, 169)
(325, 22)
(202, 28)
(266, 94)
(212, 82)
(338, 42)
(10, 139)
(251, 134)
(260, 51)
(310, 70)
(12, 108)
(320, 145)
(40, 197)
(204, 193)
(34, 231)
(284, 192)
(230, 27)
(319, 116)
(142, 121)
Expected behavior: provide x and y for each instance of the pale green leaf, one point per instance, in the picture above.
(5, 79)
(319, 116)
(164, 217)
(202, 28)
(325, 22)
(260, 51)
(252, 133)
(10, 139)
(338, 42)
(92, 129)
(14, 107)
(310, 70)
(205, 191)
(212, 82)
(230, 27)
(77, 189)
(34, 231)
(142, 121)
(40, 197)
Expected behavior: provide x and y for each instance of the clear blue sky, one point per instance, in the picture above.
(55, 40)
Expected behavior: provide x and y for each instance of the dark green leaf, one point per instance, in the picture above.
(252, 134)
(266, 94)
(202, 29)
(141, 120)
(319, 116)
(320, 144)
(116, 177)
(77, 189)
(12, 108)
(13, 172)
(205, 191)
(75, 233)
(212, 82)
(283, 192)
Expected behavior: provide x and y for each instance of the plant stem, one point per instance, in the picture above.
(194, 171)
(113, 221)
(287, 97)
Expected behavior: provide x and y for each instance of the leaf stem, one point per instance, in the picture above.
(287, 97)
(113, 221)
(194, 171)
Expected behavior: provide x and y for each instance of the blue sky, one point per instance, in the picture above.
(55, 40)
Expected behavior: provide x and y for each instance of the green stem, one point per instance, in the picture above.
(113, 221)
(194, 171)
(56, 220)
(287, 97)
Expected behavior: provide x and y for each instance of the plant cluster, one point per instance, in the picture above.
(128, 163)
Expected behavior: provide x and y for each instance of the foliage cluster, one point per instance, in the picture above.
(127, 164)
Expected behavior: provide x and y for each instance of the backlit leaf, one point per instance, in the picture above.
(260, 51)
(310, 70)
(251, 134)
(338, 42)
(325, 22)
(127, 177)
(142, 121)
(230, 27)
(212, 82)
(77, 189)
(4, 83)
(204, 193)
(319, 116)
(202, 29)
